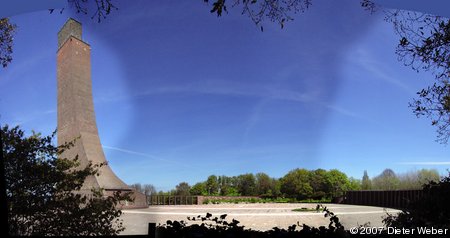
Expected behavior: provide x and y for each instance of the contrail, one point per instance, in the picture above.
(144, 155)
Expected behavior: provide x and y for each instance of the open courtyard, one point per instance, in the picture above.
(257, 216)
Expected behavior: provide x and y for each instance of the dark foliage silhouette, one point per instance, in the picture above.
(275, 11)
(221, 227)
(42, 190)
(425, 45)
(433, 210)
(7, 30)
(101, 8)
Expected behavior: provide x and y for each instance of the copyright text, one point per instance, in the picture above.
(417, 230)
(398, 231)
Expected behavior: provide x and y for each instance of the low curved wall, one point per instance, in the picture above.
(384, 198)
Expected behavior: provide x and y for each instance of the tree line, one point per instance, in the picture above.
(389, 180)
(298, 183)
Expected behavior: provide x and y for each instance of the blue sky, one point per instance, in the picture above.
(180, 94)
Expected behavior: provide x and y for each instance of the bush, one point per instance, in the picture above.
(41, 190)
(433, 209)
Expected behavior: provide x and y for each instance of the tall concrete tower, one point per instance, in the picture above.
(76, 115)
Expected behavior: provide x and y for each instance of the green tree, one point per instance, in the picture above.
(42, 190)
(418, 178)
(232, 191)
(409, 180)
(276, 187)
(227, 186)
(223, 182)
(212, 185)
(354, 184)
(387, 180)
(246, 184)
(319, 183)
(296, 184)
(264, 185)
(425, 176)
(199, 189)
(183, 189)
(366, 184)
(338, 182)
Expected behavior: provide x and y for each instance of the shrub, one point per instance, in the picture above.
(41, 190)
(433, 209)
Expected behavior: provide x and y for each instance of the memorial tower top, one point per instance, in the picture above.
(72, 27)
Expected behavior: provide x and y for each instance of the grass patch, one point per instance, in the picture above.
(234, 200)
(305, 209)
(323, 200)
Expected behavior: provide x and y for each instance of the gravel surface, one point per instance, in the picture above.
(257, 216)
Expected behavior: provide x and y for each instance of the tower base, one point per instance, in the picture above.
(139, 199)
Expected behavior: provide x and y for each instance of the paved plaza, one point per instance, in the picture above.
(258, 216)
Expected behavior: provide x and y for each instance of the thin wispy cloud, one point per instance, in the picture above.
(215, 87)
(425, 163)
(146, 155)
(26, 118)
(132, 152)
(253, 119)
(233, 90)
(378, 71)
(341, 110)
(51, 111)
(20, 67)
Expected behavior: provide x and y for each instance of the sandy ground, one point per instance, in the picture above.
(255, 216)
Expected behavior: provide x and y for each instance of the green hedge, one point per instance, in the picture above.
(264, 200)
